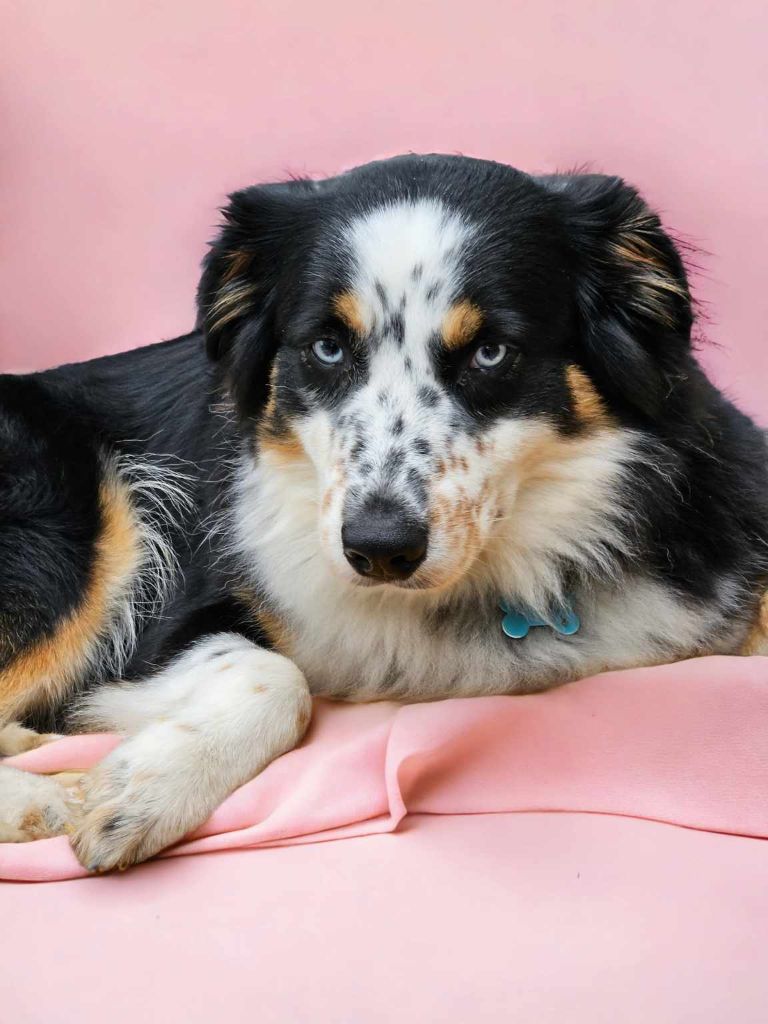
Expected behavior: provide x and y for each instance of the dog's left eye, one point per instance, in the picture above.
(487, 357)
(327, 351)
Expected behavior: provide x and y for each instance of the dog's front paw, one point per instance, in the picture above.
(139, 800)
(31, 807)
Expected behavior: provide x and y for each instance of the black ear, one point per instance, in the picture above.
(262, 226)
(632, 292)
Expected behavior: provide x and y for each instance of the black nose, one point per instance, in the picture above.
(383, 543)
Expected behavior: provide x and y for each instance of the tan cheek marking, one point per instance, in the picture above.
(757, 640)
(275, 435)
(348, 308)
(50, 667)
(283, 448)
(460, 324)
(587, 403)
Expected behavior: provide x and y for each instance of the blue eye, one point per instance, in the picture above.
(327, 352)
(487, 357)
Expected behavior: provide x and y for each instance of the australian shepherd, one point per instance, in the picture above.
(439, 432)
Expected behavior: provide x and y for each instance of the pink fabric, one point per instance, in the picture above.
(685, 743)
(481, 919)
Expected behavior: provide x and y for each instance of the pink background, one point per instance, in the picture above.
(124, 124)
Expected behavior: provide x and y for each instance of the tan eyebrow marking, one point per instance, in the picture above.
(461, 323)
(348, 308)
(587, 403)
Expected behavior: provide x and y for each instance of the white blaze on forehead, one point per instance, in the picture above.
(408, 250)
(406, 261)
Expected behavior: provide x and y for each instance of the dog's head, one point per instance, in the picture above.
(459, 351)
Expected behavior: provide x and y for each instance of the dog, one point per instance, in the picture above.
(439, 432)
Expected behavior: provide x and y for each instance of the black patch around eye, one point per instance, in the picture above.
(525, 387)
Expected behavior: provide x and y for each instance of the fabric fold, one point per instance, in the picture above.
(685, 744)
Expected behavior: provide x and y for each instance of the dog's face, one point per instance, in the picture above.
(436, 337)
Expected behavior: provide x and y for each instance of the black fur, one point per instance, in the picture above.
(548, 272)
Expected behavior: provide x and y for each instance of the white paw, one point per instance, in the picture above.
(142, 798)
(220, 714)
(31, 807)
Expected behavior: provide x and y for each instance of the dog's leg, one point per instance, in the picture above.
(199, 729)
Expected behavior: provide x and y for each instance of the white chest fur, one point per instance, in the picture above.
(375, 643)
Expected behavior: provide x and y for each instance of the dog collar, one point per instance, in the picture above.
(518, 620)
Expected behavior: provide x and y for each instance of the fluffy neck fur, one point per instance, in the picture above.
(567, 523)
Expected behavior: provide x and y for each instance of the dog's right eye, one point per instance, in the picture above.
(327, 351)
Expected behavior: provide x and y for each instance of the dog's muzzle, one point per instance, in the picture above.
(383, 541)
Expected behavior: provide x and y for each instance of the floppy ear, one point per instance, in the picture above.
(235, 297)
(632, 292)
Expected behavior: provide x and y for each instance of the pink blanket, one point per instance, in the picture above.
(685, 743)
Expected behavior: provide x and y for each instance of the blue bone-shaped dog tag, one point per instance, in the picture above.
(518, 621)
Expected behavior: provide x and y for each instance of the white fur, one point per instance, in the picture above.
(158, 493)
(214, 718)
(519, 505)
(387, 243)
(372, 643)
(31, 806)
(504, 516)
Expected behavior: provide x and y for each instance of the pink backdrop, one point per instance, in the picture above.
(124, 124)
